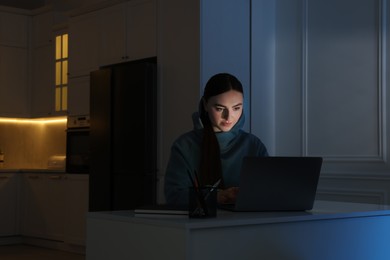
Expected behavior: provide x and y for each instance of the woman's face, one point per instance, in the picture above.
(224, 110)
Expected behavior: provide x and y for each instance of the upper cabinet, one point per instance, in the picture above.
(42, 94)
(141, 32)
(13, 65)
(128, 32)
(83, 44)
(119, 33)
(42, 29)
(13, 29)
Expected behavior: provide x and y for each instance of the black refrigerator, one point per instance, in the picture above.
(123, 136)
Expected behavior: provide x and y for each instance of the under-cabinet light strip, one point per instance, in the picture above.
(33, 121)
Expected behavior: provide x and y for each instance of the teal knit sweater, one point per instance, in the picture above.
(185, 157)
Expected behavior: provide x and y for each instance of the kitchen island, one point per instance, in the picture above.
(332, 230)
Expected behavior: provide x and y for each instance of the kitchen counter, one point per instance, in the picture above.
(32, 171)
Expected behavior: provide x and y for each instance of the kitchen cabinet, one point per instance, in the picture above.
(43, 89)
(43, 205)
(9, 197)
(78, 96)
(14, 98)
(42, 29)
(14, 29)
(83, 44)
(128, 32)
(54, 206)
(33, 196)
(13, 64)
(42, 52)
(76, 205)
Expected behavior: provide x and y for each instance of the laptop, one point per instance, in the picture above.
(277, 184)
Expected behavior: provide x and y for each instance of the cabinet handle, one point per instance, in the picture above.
(34, 177)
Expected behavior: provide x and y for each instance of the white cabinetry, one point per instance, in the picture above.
(13, 29)
(83, 58)
(55, 206)
(13, 65)
(13, 81)
(33, 196)
(42, 29)
(122, 32)
(76, 205)
(42, 94)
(83, 44)
(43, 206)
(9, 206)
(128, 32)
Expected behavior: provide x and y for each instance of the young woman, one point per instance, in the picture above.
(214, 149)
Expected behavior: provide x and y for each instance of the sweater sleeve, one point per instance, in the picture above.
(177, 181)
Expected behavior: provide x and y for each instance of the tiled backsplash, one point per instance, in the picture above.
(30, 145)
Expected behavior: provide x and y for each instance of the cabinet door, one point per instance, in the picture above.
(42, 26)
(78, 96)
(33, 196)
(13, 82)
(83, 44)
(76, 204)
(128, 32)
(43, 206)
(112, 45)
(42, 94)
(13, 29)
(141, 41)
(53, 207)
(9, 217)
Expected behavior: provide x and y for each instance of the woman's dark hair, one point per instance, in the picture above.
(210, 162)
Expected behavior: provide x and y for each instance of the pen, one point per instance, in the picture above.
(212, 189)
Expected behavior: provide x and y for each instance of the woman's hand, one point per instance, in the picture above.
(227, 196)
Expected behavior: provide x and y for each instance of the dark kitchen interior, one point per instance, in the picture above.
(315, 74)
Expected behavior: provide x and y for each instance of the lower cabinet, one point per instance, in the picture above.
(9, 195)
(76, 205)
(54, 206)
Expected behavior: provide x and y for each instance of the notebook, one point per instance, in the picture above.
(277, 184)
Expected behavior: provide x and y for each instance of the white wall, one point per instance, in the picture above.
(328, 92)
(263, 47)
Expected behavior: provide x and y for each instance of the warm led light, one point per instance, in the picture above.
(33, 120)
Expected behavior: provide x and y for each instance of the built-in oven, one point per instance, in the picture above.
(77, 144)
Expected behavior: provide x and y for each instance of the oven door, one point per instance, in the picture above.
(77, 150)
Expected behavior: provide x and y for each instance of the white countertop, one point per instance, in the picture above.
(322, 210)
